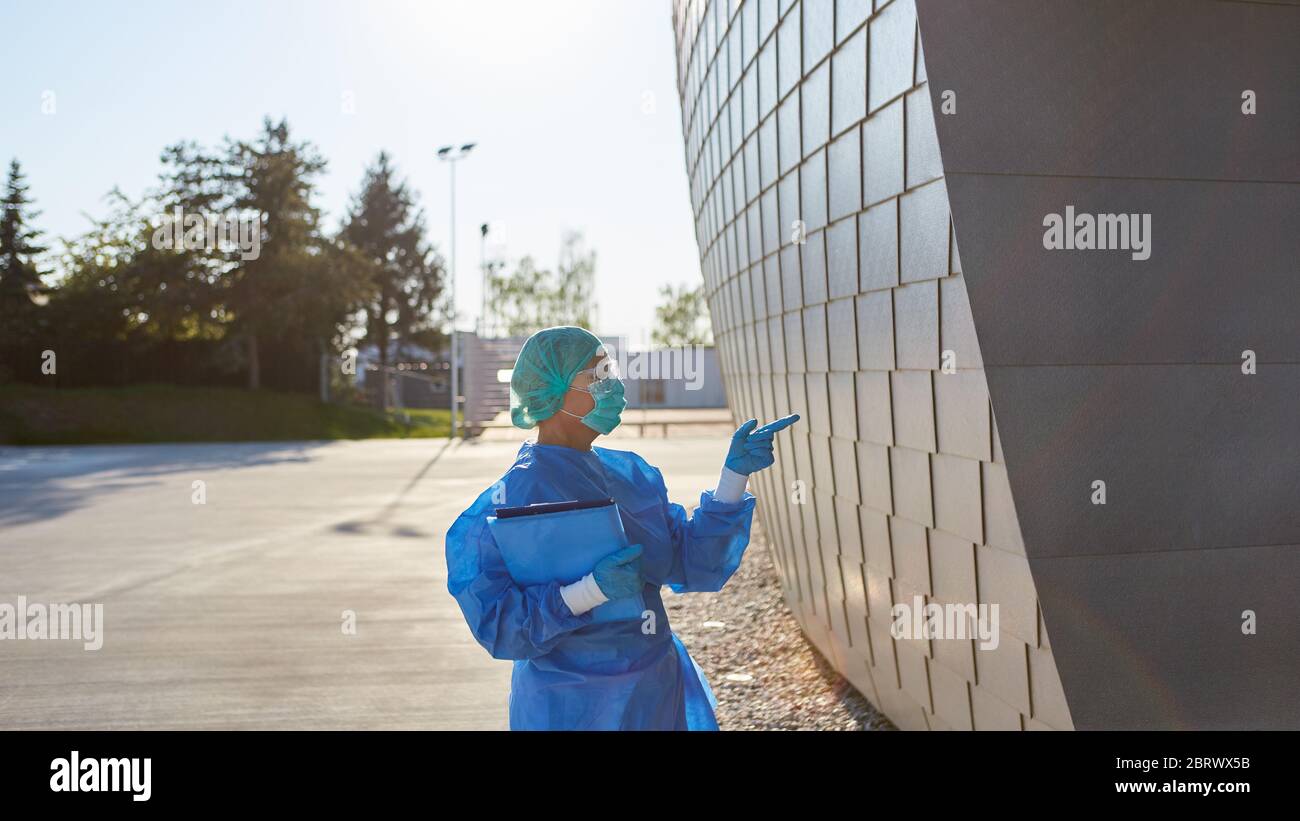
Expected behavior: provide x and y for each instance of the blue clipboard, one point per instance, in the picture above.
(563, 541)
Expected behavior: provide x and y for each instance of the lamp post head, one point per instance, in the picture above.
(452, 153)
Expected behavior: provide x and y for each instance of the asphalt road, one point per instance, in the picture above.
(231, 613)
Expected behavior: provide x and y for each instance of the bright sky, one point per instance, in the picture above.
(572, 104)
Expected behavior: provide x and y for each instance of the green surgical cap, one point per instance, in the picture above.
(546, 365)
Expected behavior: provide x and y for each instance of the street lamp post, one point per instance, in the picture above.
(483, 276)
(451, 154)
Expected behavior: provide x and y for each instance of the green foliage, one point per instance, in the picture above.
(132, 283)
(280, 291)
(682, 318)
(531, 298)
(18, 246)
(150, 293)
(386, 231)
(21, 284)
(117, 285)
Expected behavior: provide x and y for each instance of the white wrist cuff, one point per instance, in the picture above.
(731, 486)
(583, 595)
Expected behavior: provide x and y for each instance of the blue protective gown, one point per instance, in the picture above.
(569, 673)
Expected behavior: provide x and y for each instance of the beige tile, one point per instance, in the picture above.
(1004, 672)
(914, 674)
(961, 403)
(913, 410)
(884, 660)
(957, 324)
(909, 472)
(951, 696)
(876, 545)
(1002, 526)
(916, 325)
(991, 713)
(957, 506)
(874, 477)
(952, 568)
(911, 554)
(1049, 702)
(846, 525)
(843, 461)
(1005, 580)
(855, 585)
(957, 655)
(876, 330)
(875, 407)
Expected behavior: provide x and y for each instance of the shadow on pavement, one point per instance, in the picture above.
(359, 527)
(35, 481)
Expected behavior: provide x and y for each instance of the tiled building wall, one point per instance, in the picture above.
(836, 292)
(1121, 371)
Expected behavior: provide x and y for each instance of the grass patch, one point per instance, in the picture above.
(163, 413)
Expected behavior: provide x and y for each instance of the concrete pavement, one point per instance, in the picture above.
(229, 614)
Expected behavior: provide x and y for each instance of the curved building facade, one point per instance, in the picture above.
(1132, 493)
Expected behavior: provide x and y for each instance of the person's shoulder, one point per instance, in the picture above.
(515, 483)
(621, 457)
(631, 466)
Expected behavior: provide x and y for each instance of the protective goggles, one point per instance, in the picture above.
(602, 377)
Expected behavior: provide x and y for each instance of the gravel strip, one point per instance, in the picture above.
(766, 675)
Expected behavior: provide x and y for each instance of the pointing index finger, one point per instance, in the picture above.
(779, 425)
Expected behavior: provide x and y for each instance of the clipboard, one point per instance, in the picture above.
(563, 541)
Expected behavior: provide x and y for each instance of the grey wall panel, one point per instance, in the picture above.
(1193, 457)
(1129, 371)
(1124, 88)
(882, 491)
(1221, 277)
(1154, 640)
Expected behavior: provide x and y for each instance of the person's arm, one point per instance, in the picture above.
(731, 486)
(511, 622)
(583, 595)
(709, 544)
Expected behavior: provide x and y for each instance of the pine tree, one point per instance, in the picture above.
(20, 280)
(274, 177)
(291, 298)
(388, 229)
